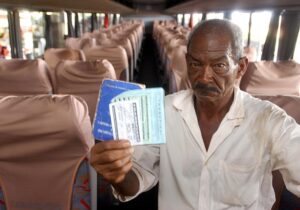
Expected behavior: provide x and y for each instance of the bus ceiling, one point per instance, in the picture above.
(147, 6)
(105, 6)
(217, 5)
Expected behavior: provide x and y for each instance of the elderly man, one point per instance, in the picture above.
(222, 144)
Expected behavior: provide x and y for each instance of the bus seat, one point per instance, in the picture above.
(272, 78)
(46, 140)
(291, 105)
(116, 55)
(178, 68)
(80, 43)
(125, 43)
(24, 77)
(82, 78)
(53, 55)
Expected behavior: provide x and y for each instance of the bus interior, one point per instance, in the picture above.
(61, 48)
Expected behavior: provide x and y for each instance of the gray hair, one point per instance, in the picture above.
(224, 26)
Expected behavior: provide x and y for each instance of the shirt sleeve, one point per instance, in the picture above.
(146, 168)
(286, 150)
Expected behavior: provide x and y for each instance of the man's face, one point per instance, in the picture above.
(212, 69)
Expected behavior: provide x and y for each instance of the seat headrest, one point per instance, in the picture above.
(24, 77)
(116, 55)
(272, 78)
(52, 56)
(72, 76)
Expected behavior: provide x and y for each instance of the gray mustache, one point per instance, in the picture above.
(204, 87)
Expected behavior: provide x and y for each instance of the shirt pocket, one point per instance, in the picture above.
(237, 185)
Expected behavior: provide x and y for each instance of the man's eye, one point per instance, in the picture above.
(220, 65)
(195, 64)
(220, 68)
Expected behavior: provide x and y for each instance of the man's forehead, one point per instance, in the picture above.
(207, 44)
(211, 52)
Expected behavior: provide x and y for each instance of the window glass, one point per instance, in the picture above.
(277, 40)
(242, 20)
(297, 49)
(32, 33)
(87, 26)
(101, 19)
(214, 15)
(118, 18)
(179, 18)
(80, 19)
(5, 50)
(186, 19)
(259, 30)
(197, 18)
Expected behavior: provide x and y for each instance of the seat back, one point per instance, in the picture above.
(82, 78)
(178, 68)
(115, 55)
(44, 141)
(24, 77)
(290, 104)
(52, 56)
(272, 78)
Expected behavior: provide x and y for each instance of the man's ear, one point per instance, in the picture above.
(243, 64)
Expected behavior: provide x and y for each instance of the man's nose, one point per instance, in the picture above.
(207, 73)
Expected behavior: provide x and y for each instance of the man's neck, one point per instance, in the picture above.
(213, 110)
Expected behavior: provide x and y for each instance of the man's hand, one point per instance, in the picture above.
(112, 159)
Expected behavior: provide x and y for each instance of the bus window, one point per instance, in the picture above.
(277, 40)
(186, 19)
(87, 26)
(80, 20)
(214, 15)
(4, 35)
(118, 18)
(259, 30)
(179, 18)
(242, 20)
(33, 35)
(197, 18)
(297, 49)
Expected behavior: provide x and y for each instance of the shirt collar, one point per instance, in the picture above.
(184, 101)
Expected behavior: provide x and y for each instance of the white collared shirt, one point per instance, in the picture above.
(254, 138)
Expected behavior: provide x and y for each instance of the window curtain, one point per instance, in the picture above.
(269, 46)
(289, 29)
